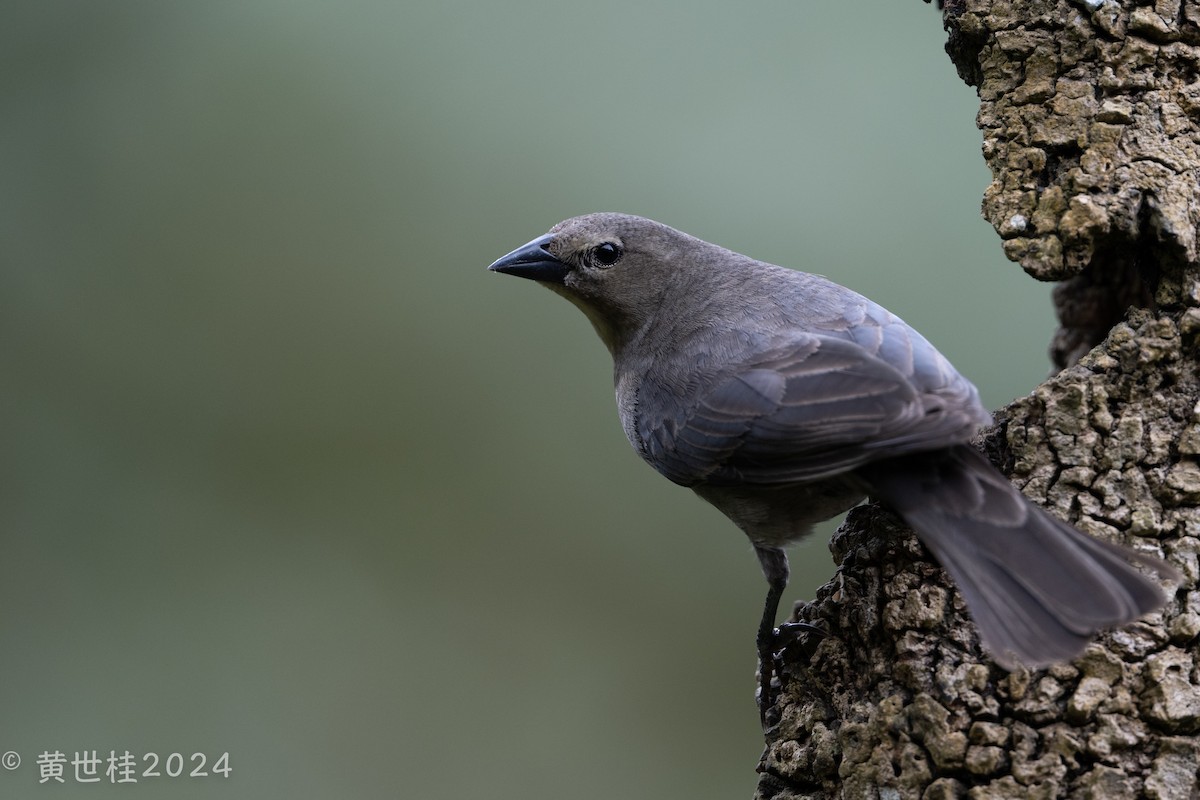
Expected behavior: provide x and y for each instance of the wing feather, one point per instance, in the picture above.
(813, 408)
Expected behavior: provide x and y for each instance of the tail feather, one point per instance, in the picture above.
(1038, 589)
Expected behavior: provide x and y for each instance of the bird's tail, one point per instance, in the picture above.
(1038, 589)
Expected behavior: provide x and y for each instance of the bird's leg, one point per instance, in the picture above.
(775, 569)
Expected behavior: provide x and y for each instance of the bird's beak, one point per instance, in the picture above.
(533, 261)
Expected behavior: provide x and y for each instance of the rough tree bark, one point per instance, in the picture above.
(1090, 111)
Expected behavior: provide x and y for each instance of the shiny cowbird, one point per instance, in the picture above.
(783, 399)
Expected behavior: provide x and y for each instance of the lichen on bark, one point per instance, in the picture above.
(1090, 113)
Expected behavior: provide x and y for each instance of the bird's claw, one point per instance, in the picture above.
(769, 652)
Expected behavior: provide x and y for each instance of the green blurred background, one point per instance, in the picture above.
(286, 473)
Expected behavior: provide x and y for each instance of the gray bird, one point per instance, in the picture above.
(783, 399)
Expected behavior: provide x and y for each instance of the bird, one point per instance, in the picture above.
(783, 399)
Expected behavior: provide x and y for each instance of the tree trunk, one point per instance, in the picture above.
(1091, 118)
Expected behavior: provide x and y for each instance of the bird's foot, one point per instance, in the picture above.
(770, 650)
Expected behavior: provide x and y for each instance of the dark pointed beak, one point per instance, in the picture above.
(533, 261)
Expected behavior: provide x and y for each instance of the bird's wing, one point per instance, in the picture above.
(815, 407)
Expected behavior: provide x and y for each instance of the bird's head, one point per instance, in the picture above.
(615, 267)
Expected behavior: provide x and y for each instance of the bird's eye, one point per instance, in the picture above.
(606, 254)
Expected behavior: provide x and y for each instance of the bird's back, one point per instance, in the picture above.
(794, 380)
